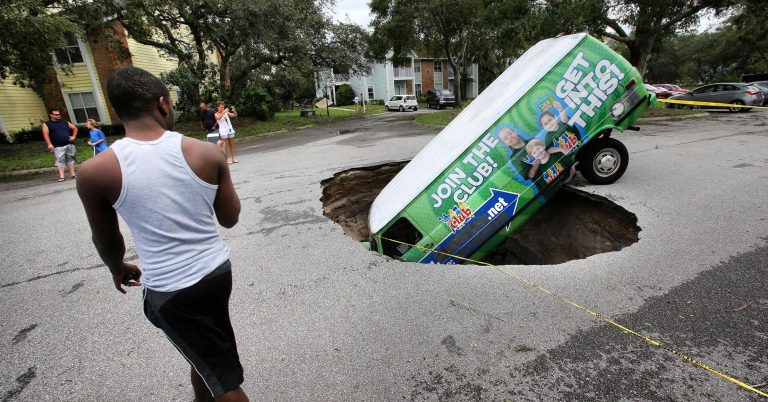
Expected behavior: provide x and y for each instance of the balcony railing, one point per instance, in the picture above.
(403, 72)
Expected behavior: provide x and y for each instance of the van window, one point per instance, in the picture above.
(402, 231)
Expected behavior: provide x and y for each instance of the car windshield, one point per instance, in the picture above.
(444, 92)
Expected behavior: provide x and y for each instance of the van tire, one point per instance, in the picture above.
(603, 161)
(401, 109)
(386, 108)
(416, 109)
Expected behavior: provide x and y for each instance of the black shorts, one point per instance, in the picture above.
(196, 321)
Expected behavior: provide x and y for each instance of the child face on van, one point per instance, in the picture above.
(511, 138)
(539, 152)
(549, 121)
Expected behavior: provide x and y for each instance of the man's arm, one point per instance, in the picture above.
(73, 130)
(226, 204)
(105, 229)
(47, 136)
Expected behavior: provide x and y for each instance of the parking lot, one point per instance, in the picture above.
(318, 317)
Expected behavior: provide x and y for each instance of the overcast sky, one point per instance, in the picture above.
(357, 11)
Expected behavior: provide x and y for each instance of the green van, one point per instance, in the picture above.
(507, 153)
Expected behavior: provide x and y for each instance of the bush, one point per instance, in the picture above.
(345, 95)
(35, 134)
(256, 102)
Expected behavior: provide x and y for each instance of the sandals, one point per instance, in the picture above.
(61, 179)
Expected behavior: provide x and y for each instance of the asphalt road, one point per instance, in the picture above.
(319, 318)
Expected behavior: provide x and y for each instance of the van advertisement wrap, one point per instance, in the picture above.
(520, 161)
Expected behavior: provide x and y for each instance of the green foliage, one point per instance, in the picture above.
(345, 95)
(35, 134)
(192, 88)
(462, 31)
(256, 102)
(30, 35)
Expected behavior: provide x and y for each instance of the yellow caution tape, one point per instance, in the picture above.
(722, 105)
(599, 317)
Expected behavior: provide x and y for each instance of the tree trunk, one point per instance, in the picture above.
(640, 51)
(456, 81)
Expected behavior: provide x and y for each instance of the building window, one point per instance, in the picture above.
(417, 67)
(438, 66)
(418, 89)
(370, 92)
(70, 54)
(83, 107)
(438, 85)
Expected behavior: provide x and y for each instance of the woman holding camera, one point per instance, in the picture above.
(226, 130)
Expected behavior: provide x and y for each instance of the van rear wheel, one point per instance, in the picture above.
(603, 161)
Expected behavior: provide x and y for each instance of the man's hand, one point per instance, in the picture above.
(126, 275)
(72, 139)
(50, 147)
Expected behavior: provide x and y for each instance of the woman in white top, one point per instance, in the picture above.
(226, 129)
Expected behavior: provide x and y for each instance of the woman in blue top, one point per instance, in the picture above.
(98, 139)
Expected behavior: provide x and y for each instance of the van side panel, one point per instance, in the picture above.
(522, 158)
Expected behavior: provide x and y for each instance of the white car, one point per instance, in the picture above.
(402, 103)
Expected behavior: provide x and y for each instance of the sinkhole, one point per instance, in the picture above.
(572, 225)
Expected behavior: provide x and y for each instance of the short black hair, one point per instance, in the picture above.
(134, 92)
(50, 111)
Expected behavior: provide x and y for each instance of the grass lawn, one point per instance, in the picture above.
(34, 155)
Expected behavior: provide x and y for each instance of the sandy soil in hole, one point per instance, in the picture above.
(572, 225)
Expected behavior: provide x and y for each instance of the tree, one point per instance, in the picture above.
(458, 30)
(31, 34)
(250, 39)
(638, 24)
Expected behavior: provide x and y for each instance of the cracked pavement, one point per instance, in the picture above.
(317, 317)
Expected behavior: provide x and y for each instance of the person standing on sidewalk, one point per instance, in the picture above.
(170, 190)
(60, 136)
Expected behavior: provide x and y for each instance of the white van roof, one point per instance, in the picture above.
(468, 126)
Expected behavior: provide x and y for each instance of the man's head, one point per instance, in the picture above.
(136, 94)
(54, 114)
(549, 121)
(203, 106)
(511, 138)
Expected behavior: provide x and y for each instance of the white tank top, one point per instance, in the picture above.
(170, 213)
(225, 125)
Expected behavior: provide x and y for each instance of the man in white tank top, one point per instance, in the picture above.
(170, 190)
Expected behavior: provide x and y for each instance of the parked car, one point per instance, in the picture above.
(734, 93)
(440, 98)
(661, 93)
(402, 103)
(763, 87)
(672, 88)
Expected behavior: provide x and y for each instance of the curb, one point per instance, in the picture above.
(427, 125)
(688, 116)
